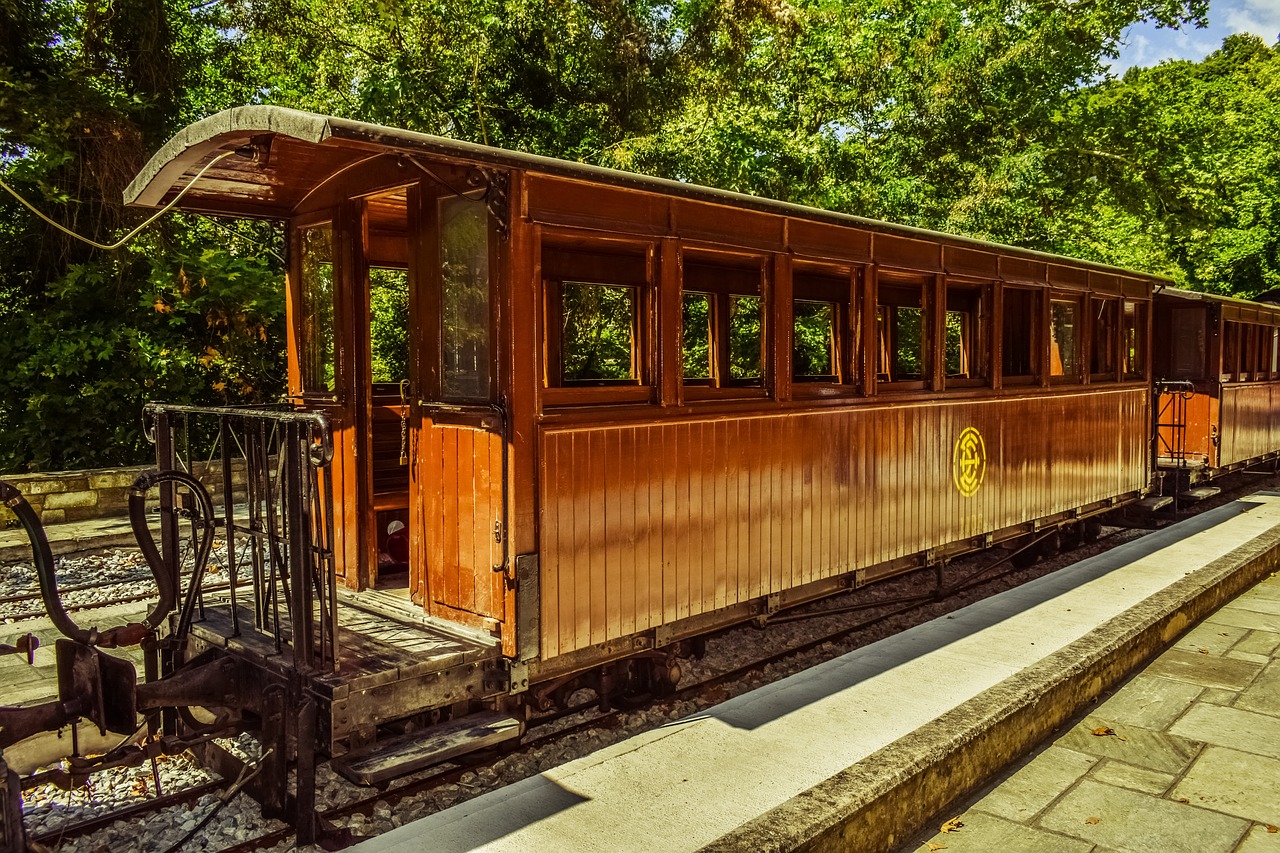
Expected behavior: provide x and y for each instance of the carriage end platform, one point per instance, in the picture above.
(859, 752)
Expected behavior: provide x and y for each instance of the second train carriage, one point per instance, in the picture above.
(613, 412)
(1218, 359)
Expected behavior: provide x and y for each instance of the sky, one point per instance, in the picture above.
(1146, 45)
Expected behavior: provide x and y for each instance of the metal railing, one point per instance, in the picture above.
(1171, 397)
(274, 509)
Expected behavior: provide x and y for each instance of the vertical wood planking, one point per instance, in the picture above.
(647, 524)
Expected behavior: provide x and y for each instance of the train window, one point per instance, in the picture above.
(695, 337)
(1019, 361)
(1133, 340)
(746, 336)
(722, 329)
(1187, 342)
(1064, 339)
(820, 327)
(965, 349)
(388, 324)
(902, 328)
(1230, 349)
(594, 304)
(814, 341)
(316, 301)
(1275, 353)
(464, 299)
(1248, 352)
(598, 333)
(1103, 313)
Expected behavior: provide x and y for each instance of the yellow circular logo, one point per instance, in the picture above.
(969, 462)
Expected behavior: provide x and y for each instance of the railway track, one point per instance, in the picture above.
(892, 607)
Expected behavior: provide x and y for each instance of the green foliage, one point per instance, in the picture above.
(598, 335)
(993, 119)
(813, 339)
(191, 312)
(389, 324)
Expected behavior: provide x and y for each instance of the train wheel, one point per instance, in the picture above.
(1092, 530)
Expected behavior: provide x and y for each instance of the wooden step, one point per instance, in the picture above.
(1199, 493)
(1155, 503)
(411, 752)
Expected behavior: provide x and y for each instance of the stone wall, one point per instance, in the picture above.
(59, 496)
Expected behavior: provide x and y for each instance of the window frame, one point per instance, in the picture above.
(1077, 376)
(297, 295)
(1103, 299)
(836, 286)
(1230, 351)
(1142, 329)
(1037, 346)
(901, 283)
(719, 386)
(981, 332)
(553, 388)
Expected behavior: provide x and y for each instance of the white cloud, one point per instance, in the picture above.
(1260, 17)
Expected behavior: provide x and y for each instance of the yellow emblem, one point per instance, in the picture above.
(969, 463)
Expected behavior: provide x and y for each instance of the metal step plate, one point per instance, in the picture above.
(1155, 502)
(1199, 493)
(408, 753)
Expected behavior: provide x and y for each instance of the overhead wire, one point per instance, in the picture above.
(126, 238)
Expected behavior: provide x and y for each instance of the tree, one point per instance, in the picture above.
(86, 336)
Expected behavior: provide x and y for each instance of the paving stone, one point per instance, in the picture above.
(1260, 840)
(1218, 780)
(1205, 670)
(1215, 639)
(984, 833)
(1263, 696)
(1249, 656)
(1218, 696)
(1259, 643)
(1140, 823)
(1142, 747)
(1149, 702)
(1243, 730)
(1134, 778)
(1257, 604)
(1025, 794)
(1241, 618)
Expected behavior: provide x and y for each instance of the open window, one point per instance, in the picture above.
(722, 325)
(1104, 315)
(317, 369)
(967, 345)
(1133, 340)
(595, 301)
(823, 327)
(1064, 338)
(1020, 338)
(904, 343)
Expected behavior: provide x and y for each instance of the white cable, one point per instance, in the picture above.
(126, 238)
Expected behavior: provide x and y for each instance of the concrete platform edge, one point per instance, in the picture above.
(894, 792)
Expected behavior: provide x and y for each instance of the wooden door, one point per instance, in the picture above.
(459, 436)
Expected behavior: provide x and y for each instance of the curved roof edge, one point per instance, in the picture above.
(195, 142)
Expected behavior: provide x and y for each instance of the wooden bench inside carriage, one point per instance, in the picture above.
(393, 664)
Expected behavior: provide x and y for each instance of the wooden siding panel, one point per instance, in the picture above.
(643, 525)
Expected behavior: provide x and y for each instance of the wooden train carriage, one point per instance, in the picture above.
(1219, 360)
(615, 411)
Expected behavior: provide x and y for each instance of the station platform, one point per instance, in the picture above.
(865, 751)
